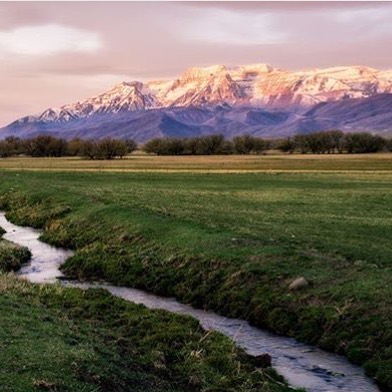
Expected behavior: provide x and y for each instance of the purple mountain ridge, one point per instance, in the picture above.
(253, 99)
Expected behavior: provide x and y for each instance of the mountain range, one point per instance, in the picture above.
(255, 99)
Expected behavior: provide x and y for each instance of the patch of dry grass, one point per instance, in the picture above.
(214, 164)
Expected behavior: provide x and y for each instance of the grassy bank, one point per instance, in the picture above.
(12, 256)
(63, 339)
(233, 243)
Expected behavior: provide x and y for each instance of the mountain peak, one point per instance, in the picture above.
(353, 71)
(199, 74)
(256, 85)
(258, 68)
(127, 87)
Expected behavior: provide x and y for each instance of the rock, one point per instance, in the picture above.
(263, 361)
(298, 284)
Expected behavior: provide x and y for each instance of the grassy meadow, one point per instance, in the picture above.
(233, 242)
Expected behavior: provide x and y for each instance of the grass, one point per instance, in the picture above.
(62, 339)
(12, 256)
(233, 243)
(231, 163)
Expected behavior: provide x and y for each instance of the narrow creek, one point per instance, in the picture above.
(302, 365)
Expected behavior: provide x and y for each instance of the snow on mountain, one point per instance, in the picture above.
(386, 75)
(258, 86)
(125, 96)
(199, 87)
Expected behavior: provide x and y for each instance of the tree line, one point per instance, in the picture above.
(328, 142)
(332, 142)
(206, 145)
(49, 146)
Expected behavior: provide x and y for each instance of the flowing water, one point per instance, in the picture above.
(302, 365)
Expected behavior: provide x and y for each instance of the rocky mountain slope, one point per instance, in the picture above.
(255, 99)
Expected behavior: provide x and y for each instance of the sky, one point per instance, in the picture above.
(53, 53)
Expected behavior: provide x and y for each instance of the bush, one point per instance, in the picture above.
(249, 145)
(286, 145)
(104, 149)
(49, 146)
(111, 148)
(206, 145)
(165, 146)
(131, 145)
(75, 147)
(45, 146)
(363, 142)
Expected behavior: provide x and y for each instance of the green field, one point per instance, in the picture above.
(234, 242)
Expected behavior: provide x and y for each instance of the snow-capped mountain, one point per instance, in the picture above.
(122, 97)
(257, 85)
(258, 88)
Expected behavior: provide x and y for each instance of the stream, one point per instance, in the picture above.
(302, 365)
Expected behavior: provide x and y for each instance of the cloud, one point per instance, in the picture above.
(48, 40)
(374, 22)
(291, 6)
(233, 28)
